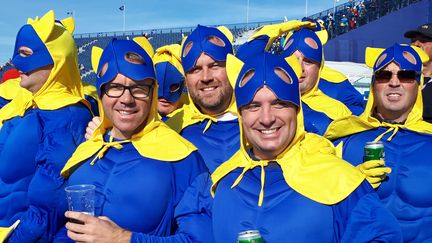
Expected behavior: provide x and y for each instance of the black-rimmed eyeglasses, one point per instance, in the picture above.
(139, 91)
(404, 76)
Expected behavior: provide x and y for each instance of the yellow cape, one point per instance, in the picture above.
(156, 140)
(63, 86)
(309, 164)
(352, 124)
(11, 88)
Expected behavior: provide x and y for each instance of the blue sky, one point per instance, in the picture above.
(101, 16)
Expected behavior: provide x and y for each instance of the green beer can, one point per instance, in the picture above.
(373, 151)
(250, 236)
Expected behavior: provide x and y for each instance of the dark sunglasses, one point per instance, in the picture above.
(404, 76)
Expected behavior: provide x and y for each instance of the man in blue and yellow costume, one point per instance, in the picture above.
(170, 77)
(284, 182)
(319, 109)
(209, 120)
(140, 167)
(41, 128)
(393, 115)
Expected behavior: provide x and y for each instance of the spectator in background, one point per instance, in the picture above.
(422, 37)
(344, 24)
(47, 122)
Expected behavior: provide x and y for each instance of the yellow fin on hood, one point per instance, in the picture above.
(95, 57)
(44, 26)
(226, 32)
(233, 70)
(69, 24)
(371, 55)
(145, 44)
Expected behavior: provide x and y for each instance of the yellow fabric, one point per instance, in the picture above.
(273, 31)
(155, 141)
(352, 124)
(11, 88)
(309, 165)
(90, 90)
(63, 86)
(171, 54)
(6, 231)
(332, 75)
(319, 101)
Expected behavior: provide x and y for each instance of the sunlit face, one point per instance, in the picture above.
(310, 72)
(269, 124)
(127, 114)
(165, 107)
(34, 80)
(426, 45)
(208, 85)
(394, 99)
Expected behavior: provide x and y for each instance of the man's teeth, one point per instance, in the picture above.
(125, 112)
(209, 88)
(268, 131)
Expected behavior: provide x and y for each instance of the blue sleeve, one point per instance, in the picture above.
(193, 216)
(366, 219)
(47, 201)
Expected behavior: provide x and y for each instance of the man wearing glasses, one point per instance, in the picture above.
(422, 37)
(393, 116)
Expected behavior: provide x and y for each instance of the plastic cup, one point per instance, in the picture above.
(81, 198)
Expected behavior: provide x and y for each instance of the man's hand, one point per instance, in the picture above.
(91, 126)
(375, 171)
(95, 229)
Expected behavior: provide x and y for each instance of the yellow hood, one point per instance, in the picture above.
(309, 164)
(63, 86)
(156, 140)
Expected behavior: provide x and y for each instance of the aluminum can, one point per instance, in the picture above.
(250, 236)
(373, 151)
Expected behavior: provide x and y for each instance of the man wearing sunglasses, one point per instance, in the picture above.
(393, 116)
(422, 37)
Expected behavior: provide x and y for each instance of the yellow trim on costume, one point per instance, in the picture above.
(332, 75)
(352, 124)
(63, 86)
(309, 165)
(10, 89)
(5, 232)
(151, 142)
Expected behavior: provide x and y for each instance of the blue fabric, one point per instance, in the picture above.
(93, 104)
(200, 43)
(315, 121)
(407, 190)
(345, 93)
(114, 55)
(287, 216)
(41, 57)
(167, 75)
(297, 41)
(140, 194)
(3, 102)
(33, 148)
(399, 53)
(263, 66)
(217, 144)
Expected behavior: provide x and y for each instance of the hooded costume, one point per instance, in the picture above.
(169, 73)
(143, 177)
(41, 130)
(297, 196)
(406, 190)
(318, 108)
(215, 136)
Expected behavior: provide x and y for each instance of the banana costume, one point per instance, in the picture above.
(41, 130)
(216, 136)
(151, 170)
(307, 194)
(405, 192)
